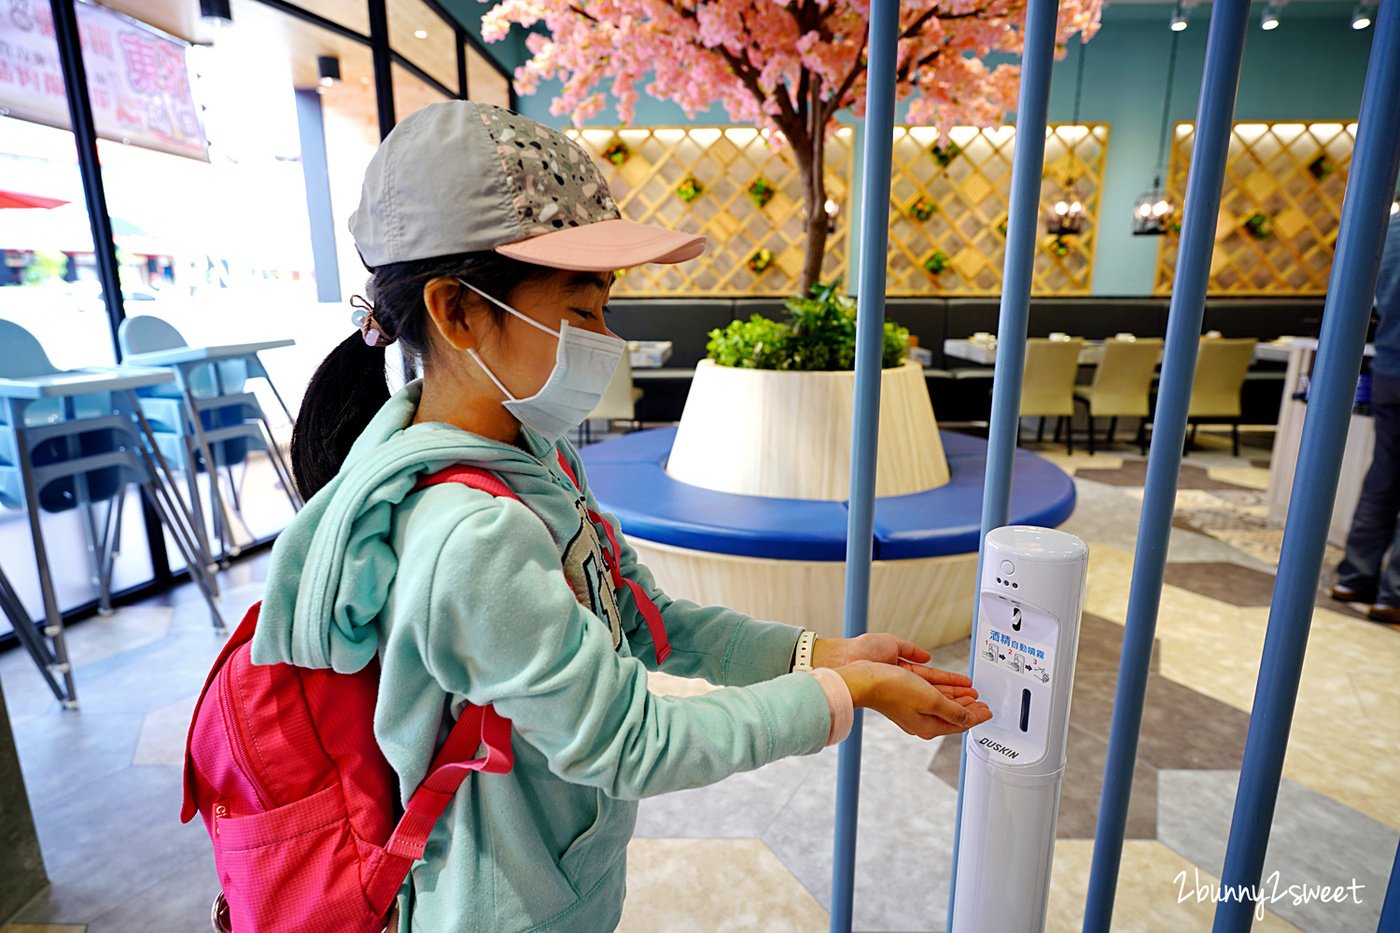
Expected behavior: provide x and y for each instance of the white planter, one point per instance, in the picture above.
(788, 434)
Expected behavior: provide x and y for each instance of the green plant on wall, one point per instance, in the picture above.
(944, 155)
(922, 209)
(937, 263)
(820, 335)
(1321, 167)
(1259, 225)
(617, 152)
(760, 192)
(689, 189)
(760, 261)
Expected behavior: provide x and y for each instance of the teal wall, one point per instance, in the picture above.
(1311, 68)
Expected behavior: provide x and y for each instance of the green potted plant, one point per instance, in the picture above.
(774, 399)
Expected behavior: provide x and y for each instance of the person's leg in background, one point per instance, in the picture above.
(1374, 527)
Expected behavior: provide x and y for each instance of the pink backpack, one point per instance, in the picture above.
(298, 799)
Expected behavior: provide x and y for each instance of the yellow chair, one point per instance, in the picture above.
(1047, 389)
(1215, 391)
(618, 402)
(1122, 386)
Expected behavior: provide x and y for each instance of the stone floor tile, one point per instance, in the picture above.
(1181, 728)
(163, 734)
(1227, 582)
(1148, 897)
(906, 819)
(1314, 841)
(64, 751)
(1101, 647)
(92, 840)
(179, 900)
(714, 886)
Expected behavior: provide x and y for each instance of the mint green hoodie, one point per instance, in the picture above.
(465, 597)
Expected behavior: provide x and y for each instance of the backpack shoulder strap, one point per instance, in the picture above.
(475, 728)
(650, 613)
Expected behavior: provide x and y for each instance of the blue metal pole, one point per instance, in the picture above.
(865, 427)
(1224, 48)
(1023, 220)
(1350, 290)
(1390, 910)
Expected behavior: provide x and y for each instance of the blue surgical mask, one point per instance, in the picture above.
(583, 367)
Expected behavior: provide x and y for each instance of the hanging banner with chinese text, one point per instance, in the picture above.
(137, 77)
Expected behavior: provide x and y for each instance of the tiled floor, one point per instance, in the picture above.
(754, 852)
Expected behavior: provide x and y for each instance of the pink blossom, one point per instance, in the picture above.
(753, 56)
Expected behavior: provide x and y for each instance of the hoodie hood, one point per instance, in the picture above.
(332, 566)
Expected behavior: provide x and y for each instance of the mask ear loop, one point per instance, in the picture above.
(505, 307)
(472, 354)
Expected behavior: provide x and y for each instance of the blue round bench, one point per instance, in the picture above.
(628, 478)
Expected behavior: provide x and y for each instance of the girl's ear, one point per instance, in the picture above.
(443, 298)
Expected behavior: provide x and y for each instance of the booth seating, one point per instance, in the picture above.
(784, 559)
(961, 391)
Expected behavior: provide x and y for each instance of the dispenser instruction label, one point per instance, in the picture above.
(1010, 651)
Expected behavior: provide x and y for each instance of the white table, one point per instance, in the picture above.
(184, 360)
(162, 494)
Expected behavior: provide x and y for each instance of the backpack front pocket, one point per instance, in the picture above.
(263, 858)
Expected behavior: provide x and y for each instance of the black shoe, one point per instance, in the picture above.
(1350, 594)
(1383, 613)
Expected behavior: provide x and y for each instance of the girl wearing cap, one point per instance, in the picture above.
(492, 241)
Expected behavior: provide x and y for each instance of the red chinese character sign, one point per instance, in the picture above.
(137, 77)
(788, 66)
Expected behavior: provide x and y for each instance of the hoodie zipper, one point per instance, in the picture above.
(235, 728)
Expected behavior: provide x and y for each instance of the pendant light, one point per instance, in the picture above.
(1065, 216)
(1153, 210)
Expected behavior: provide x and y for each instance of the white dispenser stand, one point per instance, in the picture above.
(1027, 635)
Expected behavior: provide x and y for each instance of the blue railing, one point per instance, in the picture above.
(1372, 179)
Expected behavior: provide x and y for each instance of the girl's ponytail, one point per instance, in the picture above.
(348, 388)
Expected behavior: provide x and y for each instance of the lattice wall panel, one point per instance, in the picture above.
(659, 161)
(968, 198)
(1278, 211)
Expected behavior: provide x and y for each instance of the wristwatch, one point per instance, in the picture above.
(802, 656)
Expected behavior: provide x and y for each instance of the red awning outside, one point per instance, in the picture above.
(15, 199)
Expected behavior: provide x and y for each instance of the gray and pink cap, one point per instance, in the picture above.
(464, 176)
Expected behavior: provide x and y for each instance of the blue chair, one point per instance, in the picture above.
(74, 453)
(231, 422)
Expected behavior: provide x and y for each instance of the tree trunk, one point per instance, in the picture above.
(811, 164)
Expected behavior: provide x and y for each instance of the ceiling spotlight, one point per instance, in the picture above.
(1269, 20)
(1361, 16)
(1180, 16)
(215, 13)
(328, 66)
(420, 34)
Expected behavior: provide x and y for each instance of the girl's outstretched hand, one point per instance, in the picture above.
(920, 700)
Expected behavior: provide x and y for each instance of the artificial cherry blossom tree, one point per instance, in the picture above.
(788, 67)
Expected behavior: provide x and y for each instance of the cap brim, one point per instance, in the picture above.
(606, 246)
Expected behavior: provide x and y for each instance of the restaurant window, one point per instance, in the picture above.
(49, 286)
(484, 82)
(424, 38)
(411, 93)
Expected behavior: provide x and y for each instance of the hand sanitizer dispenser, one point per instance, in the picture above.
(1027, 634)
